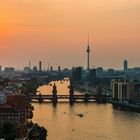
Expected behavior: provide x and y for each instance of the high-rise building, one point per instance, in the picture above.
(125, 65)
(125, 90)
(77, 74)
(29, 64)
(51, 69)
(59, 69)
(40, 66)
(92, 77)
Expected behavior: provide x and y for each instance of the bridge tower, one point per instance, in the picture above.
(71, 97)
(86, 98)
(40, 98)
(54, 94)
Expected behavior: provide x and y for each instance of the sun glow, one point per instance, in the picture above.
(60, 27)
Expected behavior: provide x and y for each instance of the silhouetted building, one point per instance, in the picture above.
(110, 71)
(29, 64)
(59, 69)
(77, 74)
(27, 69)
(99, 71)
(136, 69)
(40, 66)
(92, 77)
(125, 65)
(51, 69)
(34, 69)
(9, 70)
(105, 80)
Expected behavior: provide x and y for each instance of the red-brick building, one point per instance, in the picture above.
(16, 111)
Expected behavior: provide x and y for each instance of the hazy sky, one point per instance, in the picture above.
(55, 31)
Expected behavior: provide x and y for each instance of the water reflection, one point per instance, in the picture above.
(62, 88)
(100, 121)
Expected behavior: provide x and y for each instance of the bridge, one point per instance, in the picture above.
(86, 97)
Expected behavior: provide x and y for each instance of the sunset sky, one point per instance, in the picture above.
(55, 32)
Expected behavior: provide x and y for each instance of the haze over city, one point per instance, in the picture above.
(55, 32)
(69, 70)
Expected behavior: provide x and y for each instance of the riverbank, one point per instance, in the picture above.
(36, 131)
(127, 105)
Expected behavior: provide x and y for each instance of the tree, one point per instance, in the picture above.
(43, 133)
(9, 131)
(30, 86)
(35, 132)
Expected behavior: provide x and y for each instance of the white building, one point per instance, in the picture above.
(124, 90)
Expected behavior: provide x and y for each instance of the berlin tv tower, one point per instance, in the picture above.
(88, 52)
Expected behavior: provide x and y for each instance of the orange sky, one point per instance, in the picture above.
(55, 31)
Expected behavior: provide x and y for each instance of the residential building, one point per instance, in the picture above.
(16, 111)
(125, 90)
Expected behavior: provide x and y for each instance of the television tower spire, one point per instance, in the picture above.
(88, 52)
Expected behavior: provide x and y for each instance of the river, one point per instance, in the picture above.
(100, 121)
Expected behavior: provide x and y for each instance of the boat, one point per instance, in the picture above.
(80, 115)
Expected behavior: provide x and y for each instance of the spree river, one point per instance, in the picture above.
(100, 121)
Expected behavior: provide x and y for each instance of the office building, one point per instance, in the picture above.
(40, 66)
(125, 65)
(92, 77)
(124, 90)
(77, 74)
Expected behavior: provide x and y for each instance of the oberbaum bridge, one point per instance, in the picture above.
(72, 98)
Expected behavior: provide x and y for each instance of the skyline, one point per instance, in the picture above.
(46, 67)
(55, 32)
